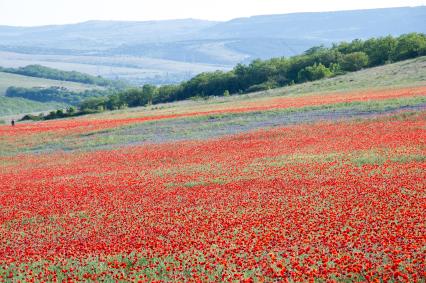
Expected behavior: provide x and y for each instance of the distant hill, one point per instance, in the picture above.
(16, 105)
(100, 35)
(327, 26)
(7, 80)
(199, 45)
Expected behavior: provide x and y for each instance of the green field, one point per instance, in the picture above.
(402, 74)
(8, 80)
(14, 106)
(406, 73)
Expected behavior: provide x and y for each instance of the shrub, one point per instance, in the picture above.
(354, 61)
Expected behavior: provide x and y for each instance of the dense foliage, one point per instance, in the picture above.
(58, 114)
(55, 74)
(57, 94)
(316, 63)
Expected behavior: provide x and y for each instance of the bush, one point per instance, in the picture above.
(354, 61)
(410, 46)
(315, 72)
(54, 94)
(30, 117)
(262, 87)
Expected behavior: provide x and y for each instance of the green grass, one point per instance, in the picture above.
(409, 73)
(405, 73)
(13, 106)
(8, 80)
(401, 74)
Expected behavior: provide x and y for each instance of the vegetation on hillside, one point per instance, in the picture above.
(316, 63)
(55, 94)
(12, 106)
(7, 80)
(55, 74)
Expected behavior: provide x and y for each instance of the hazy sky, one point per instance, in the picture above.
(42, 12)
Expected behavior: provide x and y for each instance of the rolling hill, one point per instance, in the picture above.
(15, 106)
(8, 80)
(174, 50)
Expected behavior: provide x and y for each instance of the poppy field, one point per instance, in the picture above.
(338, 199)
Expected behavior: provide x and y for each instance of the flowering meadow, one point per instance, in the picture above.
(332, 200)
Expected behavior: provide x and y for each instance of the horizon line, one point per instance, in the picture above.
(206, 20)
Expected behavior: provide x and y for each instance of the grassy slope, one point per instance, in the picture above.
(405, 73)
(12, 106)
(8, 80)
(402, 74)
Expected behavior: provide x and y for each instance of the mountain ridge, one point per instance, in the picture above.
(202, 43)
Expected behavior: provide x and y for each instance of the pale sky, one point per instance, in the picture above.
(44, 12)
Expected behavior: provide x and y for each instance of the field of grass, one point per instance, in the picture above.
(392, 76)
(321, 183)
(14, 106)
(8, 80)
(401, 74)
(9, 107)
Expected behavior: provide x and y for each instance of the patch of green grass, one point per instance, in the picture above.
(192, 184)
(401, 74)
(7, 80)
(15, 105)
(360, 159)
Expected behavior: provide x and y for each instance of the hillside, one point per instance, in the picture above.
(171, 51)
(409, 73)
(320, 182)
(406, 73)
(99, 35)
(326, 26)
(8, 80)
(13, 106)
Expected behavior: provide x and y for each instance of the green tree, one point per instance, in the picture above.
(71, 110)
(410, 46)
(149, 92)
(354, 61)
(314, 72)
(356, 45)
(380, 50)
(93, 104)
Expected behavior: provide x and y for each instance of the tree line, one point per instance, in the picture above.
(314, 64)
(56, 94)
